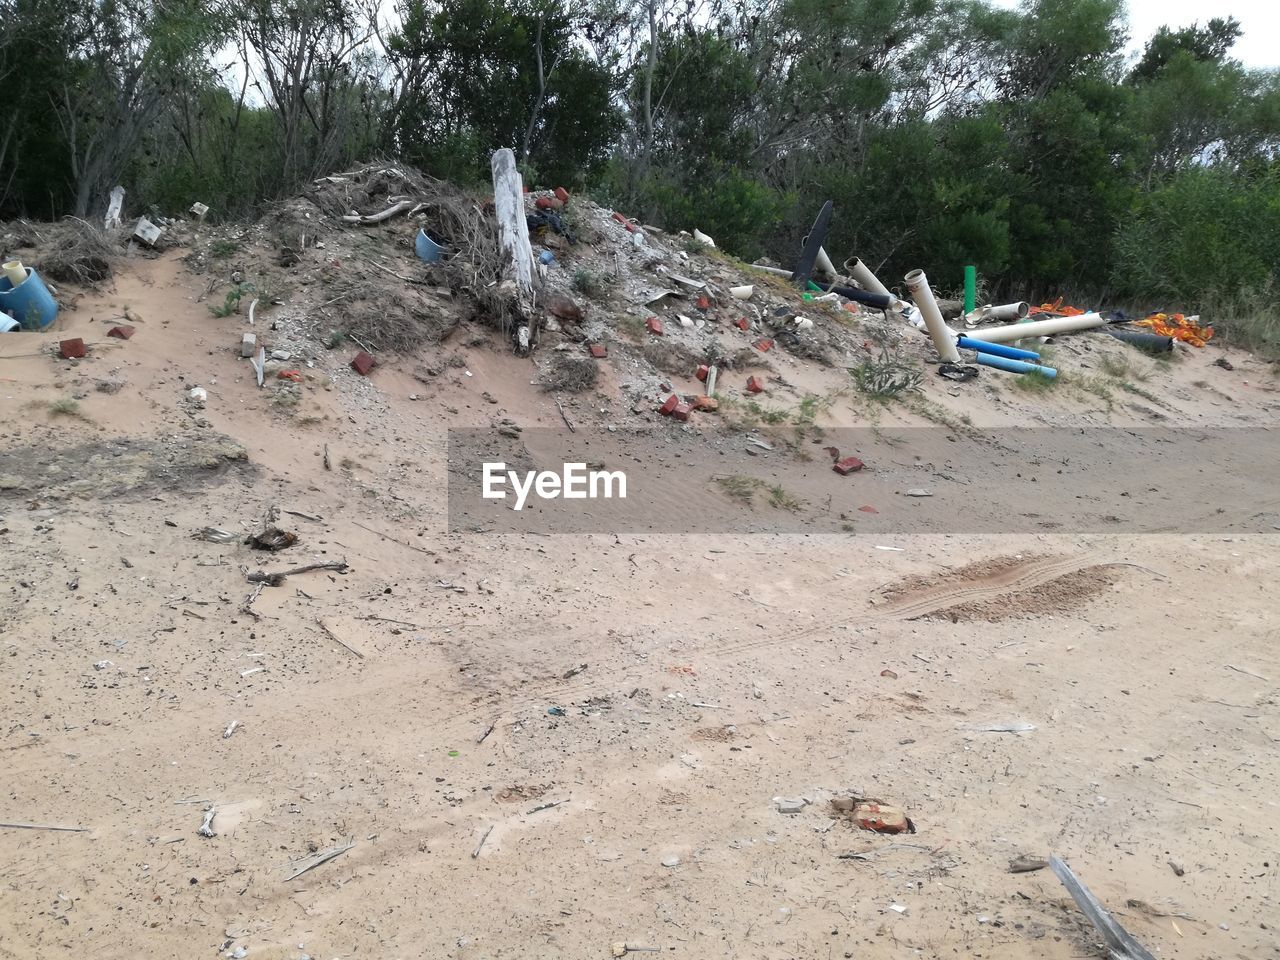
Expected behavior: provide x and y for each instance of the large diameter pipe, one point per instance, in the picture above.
(1148, 341)
(866, 279)
(1015, 366)
(1041, 328)
(997, 349)
(1006, 311)
(944, 339)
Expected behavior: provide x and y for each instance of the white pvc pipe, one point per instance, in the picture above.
(943, 337)
(824, 266)
(1006, 311)
(866, 279)
(1039, 328)
(16, 272)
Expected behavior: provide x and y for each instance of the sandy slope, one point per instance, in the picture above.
(722, 671)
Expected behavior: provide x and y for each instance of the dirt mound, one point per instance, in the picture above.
(1059, 595)
(116, 467)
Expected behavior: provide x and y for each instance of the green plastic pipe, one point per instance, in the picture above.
(970, 289)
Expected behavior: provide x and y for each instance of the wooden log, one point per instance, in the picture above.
(513, 234)
(387, 214)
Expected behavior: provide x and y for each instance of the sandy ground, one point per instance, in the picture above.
(660, 690)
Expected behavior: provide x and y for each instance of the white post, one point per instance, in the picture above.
(112, 221)
(513, 232)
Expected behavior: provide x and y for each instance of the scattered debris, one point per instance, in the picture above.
(790, 804)
(215, 535)
(231, 728)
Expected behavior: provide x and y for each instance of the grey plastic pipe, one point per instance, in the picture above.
(943, 337)
(1040, 328)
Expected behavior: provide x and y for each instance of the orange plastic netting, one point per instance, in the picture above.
(1179, 327)
(1057, 309)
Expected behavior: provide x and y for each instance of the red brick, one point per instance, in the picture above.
(847, 466)
(682, 411)
(703, 371)
(71, 349)
(562, 194)
(294, 375)
(599, 351)
(764, 346)
(669, 405)
(709, 404)
(754, 385)
(703, 303)
(548, 203)
(619, 217)
(867, 508)
(654, 325)
(741, 323)
(123, 332)
(363, 363)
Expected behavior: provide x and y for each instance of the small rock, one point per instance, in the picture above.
(671, 861)
(1176, 867)
(919, 493)
(790, 804)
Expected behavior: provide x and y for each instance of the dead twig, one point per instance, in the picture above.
(485, 836)
(43, 826)
(324, 856)
(275, 579)
(338, 640)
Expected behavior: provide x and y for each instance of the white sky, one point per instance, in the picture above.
(1259, 19)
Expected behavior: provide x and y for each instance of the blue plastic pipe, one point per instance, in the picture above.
(997, 349)
(1015, 366)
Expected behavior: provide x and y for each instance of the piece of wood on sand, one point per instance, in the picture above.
(513, 235)
(1120, 944)
(323, 856)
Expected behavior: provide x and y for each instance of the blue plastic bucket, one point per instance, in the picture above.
(30, 302)
(427, 248)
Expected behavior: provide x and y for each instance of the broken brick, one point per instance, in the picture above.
(549, 203)
(669, 405)
(764, 346)
(754, 385)
(847, 466)
(654, 325)
(741, 323)
(682, 411)
(294, 375)
(703, 371)
(122, 332)
(867, 508)
(599, 351)
(619, 217)
(703, 402)
(71, 349)
(703, 303)
(562, 194)
(363, 363)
